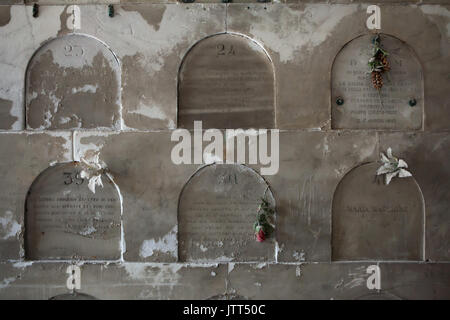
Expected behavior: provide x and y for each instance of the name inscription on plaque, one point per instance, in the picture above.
(64, 219)
(216, 213)
(397, 105)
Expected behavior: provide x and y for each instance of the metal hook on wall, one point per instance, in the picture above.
(111, 10)
(35, 10)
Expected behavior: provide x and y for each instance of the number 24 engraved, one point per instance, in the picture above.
(228, 179)
(223, 50)
(72, 177)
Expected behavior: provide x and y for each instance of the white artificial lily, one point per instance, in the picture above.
(392, 167)
(93, 173)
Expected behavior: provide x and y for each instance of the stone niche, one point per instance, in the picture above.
(398, 105)
(73, 82)
(226, 81)
(217, 209)
(375, 221)
(64, 219)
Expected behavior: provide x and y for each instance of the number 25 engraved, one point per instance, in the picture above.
(223, 50)
(73, 177)
(73, 50)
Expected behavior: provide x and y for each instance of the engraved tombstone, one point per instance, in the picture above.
(397, 105)
(73, 82)
(64, 219)
(226, 81)
(217, 209)
(372, 220)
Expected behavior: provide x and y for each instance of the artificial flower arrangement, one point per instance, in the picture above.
(392, 167)
(378, 63)
(264, 226)
(93, 172)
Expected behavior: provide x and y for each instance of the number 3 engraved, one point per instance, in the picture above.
(71, 177)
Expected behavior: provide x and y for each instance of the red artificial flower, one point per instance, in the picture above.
(260, 235)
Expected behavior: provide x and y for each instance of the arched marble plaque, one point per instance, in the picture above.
(365, 107)
(73, 82)
(66, 220)
(217, 209)
(374, 221)
(226, 81)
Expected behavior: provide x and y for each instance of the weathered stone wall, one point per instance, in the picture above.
(122, 101)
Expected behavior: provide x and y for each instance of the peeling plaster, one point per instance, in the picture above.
(169, 30)
(166, 244)
(9, 227)
(14, 55)
(260, 265)
(6, 282)
(152, 112)
(149, 13)
(67, 145)
(314, 24)
(23, 264)
(152, 273)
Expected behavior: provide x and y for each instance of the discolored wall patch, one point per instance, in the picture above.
(152, 14)
(5, 15)
(6, 119)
